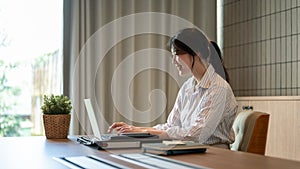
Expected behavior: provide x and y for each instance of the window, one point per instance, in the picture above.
(30, 62)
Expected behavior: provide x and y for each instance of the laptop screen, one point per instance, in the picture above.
(92, 117)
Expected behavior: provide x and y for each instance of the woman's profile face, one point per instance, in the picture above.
(182, 60)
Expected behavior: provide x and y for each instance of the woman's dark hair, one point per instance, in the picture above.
(192, 41)
(218, 50)
(181, 46)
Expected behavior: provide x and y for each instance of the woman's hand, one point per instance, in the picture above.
(122, 127)
(116, 126)
(130, 129)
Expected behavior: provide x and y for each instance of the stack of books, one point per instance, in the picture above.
(128, 142)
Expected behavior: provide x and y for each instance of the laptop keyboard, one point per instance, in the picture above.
(86, 140)
(107, 136)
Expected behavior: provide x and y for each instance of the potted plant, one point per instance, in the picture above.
(56, 116)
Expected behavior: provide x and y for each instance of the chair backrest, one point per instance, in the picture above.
(251, 129)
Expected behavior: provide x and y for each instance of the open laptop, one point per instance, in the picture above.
(92, 117)
(94, 124)
(97, 136)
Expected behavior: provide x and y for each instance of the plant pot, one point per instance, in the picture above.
(56, 126)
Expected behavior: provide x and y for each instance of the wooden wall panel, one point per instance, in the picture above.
(284, 125)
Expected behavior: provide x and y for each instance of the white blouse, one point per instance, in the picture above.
(204, 112)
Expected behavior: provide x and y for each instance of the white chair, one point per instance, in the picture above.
(251, 129)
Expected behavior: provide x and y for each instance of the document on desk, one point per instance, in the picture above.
(155, 161)
(79, 162)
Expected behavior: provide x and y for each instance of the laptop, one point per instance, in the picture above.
(95, 128)
(92, 118)
(98, 137)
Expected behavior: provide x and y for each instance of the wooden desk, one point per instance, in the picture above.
(37, 152)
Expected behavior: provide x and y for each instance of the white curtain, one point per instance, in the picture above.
(115, 53)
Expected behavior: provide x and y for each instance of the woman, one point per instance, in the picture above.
(205, 106)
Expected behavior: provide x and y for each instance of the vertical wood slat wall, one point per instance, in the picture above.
(261, 46)
(284, 123)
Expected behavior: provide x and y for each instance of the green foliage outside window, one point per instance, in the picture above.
(10, 125)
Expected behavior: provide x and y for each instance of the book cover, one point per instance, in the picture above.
(126, 143)
(173, 148)
(116, 144)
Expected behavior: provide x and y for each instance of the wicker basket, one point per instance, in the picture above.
(56, 126)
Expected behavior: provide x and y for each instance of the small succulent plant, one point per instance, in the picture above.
(56, 104)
